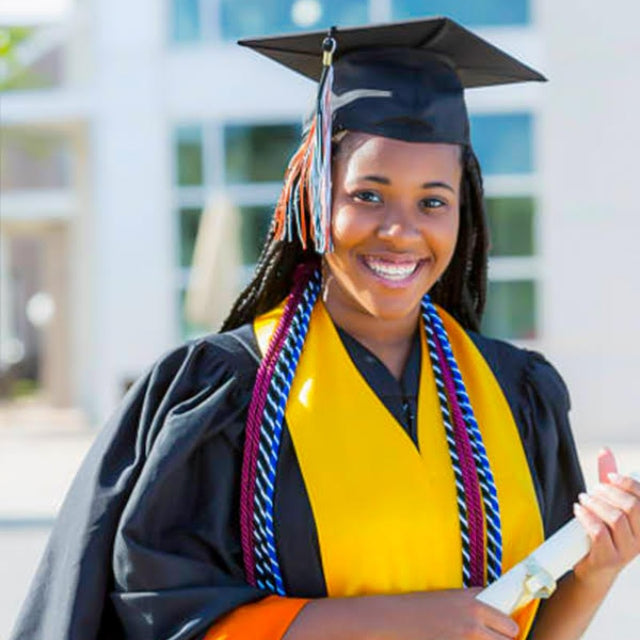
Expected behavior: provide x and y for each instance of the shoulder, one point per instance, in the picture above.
(539, 401)
(523, 372)
(197, 387)
(212, 358)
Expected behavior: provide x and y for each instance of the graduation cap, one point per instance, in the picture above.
(403, 80)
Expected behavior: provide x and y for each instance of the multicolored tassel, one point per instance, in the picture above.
(321, 163)
(308, 176)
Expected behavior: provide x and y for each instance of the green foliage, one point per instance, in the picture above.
(12, 74)
(23, 387)
(11, 37)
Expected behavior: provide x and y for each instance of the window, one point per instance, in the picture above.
(188, 329)
(503, 143)
(264, 17)
(189, 156)
(185, 20)
(253, 229)
(35, 160)
(511, 225)
(247, 161)
(487, 12)
(189, 220)
(258, 153)
(511, 310)
(195, 20)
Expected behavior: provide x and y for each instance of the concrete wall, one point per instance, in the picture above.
(589, 141)
(133, 301)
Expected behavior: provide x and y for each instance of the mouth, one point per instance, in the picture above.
(392, 271)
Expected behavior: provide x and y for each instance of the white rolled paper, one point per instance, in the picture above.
(536, 575)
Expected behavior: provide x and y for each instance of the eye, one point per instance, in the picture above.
(433, 203)
(367, 196)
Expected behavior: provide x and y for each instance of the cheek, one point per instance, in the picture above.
(441, 234)
(349, 228)
(447, 232)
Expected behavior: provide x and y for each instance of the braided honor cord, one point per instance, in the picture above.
(264, 433)
(462, 435)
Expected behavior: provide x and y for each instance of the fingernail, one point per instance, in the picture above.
(583, 497)
(614, 477)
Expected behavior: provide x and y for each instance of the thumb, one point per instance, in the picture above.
(606, 464)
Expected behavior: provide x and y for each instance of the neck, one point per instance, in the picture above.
(389, 339)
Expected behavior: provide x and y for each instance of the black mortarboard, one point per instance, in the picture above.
(403, 80)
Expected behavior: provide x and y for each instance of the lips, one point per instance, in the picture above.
(391, 270)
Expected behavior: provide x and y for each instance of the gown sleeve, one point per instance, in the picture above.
(550, 446)
(147, 544)
(540, 404)
(549, 442)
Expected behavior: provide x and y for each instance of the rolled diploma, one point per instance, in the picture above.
(536, 575)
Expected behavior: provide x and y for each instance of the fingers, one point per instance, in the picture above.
(503, 630)
(615, 519)
(498, 622)
(626, 483)
(611, 518)
(606, 464)
(626, 501)
(596, 530)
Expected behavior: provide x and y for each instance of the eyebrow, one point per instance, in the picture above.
(426, 185)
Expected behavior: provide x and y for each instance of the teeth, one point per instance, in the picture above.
(390, 270)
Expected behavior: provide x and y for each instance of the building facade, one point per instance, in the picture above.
(146, 114)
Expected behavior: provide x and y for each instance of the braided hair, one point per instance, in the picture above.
(461, 290)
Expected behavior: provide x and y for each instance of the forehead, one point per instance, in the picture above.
(361, 152)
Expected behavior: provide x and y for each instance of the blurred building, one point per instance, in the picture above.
(129, 119)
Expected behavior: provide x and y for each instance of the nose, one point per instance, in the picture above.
(398, 225)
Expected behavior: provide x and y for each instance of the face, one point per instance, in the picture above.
(395, 223)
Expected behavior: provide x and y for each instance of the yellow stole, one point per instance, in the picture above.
(386, 512)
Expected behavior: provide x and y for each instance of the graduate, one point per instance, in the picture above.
(348, 457)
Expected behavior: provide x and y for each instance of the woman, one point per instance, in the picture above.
(345, 435)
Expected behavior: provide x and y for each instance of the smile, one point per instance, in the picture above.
(390, 270)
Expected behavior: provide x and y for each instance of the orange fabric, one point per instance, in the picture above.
(524, 617)
(266, 619)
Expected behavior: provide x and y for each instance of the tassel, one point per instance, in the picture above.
(321, 161)
(290, 208)
(308, 176)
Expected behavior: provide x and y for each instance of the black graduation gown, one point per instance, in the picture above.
(147, 543)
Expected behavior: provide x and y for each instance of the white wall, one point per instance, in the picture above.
(588, 151)
(133, 297)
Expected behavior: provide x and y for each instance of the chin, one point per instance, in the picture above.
(398, 309)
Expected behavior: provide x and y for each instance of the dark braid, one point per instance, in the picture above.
(461, 289)
(271, 282)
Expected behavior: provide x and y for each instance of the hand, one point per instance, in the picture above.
(611, 517)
